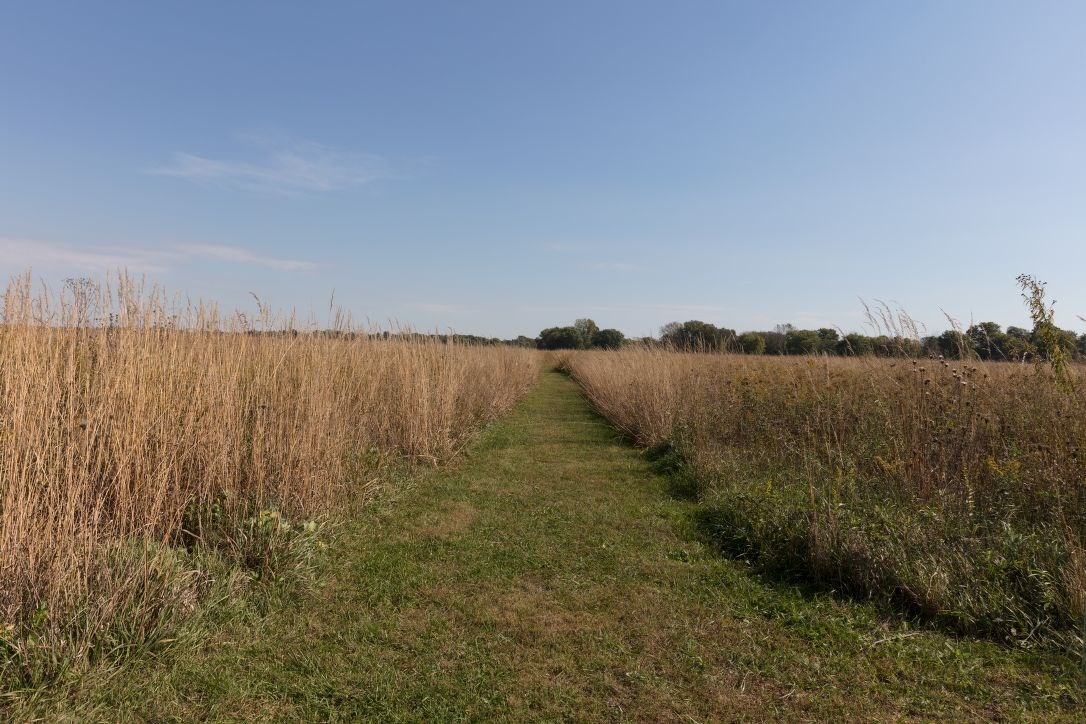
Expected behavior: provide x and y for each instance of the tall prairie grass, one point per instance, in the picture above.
(136, 427)
(954, 489)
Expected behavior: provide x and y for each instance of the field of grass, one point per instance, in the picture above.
(954, 491)
(552, 574)
(207, 516)
(155, 454)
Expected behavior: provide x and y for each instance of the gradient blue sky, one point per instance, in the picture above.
(498, 167)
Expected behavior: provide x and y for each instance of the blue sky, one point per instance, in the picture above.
(498, 167)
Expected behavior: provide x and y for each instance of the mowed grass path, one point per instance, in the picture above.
(551, 574)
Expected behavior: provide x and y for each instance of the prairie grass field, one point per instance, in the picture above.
(226, 516)
(551, 574)
(952, 490)
(154, 450)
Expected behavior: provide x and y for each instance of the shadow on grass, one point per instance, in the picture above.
(667, 462)
(787, 561)
(784, 564)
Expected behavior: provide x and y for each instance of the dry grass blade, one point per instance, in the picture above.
(133, 426)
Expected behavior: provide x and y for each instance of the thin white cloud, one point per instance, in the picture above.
(239, 255)
(281, 167)
(23, 253)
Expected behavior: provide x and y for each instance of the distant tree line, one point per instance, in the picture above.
(986, 341)
(582, 334)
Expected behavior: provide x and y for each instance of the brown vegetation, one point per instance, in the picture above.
(135, 430)
(957, 489)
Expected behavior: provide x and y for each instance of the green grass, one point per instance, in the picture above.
(552, 574)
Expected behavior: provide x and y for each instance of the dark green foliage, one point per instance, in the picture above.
(560, 338)
(774, 342)
(1015, 345)
(802, 341)
(583, 334)
(987, 340)
(608, 339)
(984, 340)
(700, 336)
(587, 329)
(828, 340)
(954, 345)
(855, 345)
(752, 343)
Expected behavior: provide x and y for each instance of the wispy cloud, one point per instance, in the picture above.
(239, 255)
(22, 253)
(32, 252)
(280, 166)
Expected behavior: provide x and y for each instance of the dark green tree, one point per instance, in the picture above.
(855, 345)
(586, 328)
(560, 338)
(697, 335)
(608, 339)
(802, 341)
(774, 342)
(752, 343)
(952, 344)
(829, 338)
(988, 340)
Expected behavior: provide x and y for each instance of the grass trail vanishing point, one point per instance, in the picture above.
(552, 574)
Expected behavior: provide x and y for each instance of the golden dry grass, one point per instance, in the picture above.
(134, 426)
(955, 488)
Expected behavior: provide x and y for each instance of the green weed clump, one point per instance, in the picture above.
(953, 490)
